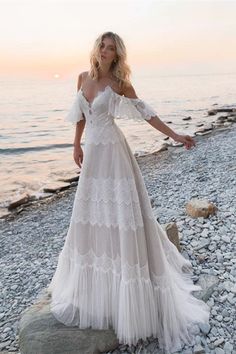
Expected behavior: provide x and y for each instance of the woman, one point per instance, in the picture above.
(117, 267)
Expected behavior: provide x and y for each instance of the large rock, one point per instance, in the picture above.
(56, 187)
(41, 333)
(200, 207)
(4, 212)
(172, 233)
(212, 112)
(24, 198)
(69, 178)
(205, 128)
(232, 118)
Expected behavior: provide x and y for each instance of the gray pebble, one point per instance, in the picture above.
(205, 328)
(219, 351)
(218, 342)
(228, 348)
(198, 349)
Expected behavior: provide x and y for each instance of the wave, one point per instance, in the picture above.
(23, 150)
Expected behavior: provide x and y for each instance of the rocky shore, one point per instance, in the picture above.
(32, 238)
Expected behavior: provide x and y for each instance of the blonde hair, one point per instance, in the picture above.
(120, 69)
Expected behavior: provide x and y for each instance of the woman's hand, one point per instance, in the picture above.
(78, 155)
(187, 140)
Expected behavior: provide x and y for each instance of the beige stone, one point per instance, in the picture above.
(172, 233)
(55, 187)
(24, 198)
(200, 207)
(4, 212)
(212, 112)
(69, 178)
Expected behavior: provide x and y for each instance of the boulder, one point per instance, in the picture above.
(203, 132)
(221, 119)
(41, 333)
(200, 207)
(69, 178)
(231, 118)
(205, 127)
(56, 187)
(4, 212)
(163, 147)
(212, 112)
(24, 198)
(172, 233)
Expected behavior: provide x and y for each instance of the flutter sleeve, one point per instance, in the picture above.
(130, 108)
(75, 113)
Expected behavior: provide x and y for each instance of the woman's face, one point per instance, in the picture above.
(107, 51)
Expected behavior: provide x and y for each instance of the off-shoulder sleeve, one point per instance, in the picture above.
(75, 113)
(130, 108)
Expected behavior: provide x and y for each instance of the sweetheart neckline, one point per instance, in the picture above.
(100, 92)
(97, 94)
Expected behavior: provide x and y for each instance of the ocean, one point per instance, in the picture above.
(36, 144)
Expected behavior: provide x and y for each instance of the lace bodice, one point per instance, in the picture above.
(106, 106)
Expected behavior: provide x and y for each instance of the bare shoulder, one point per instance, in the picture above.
(81, 78)
(129, 91)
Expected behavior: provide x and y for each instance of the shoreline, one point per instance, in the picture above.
(65, 185)
(32, 240)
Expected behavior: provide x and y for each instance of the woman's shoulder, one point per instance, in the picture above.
(128, 90)
(82, 75)
(124, 88)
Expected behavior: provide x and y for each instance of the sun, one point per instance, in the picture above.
(56, 76)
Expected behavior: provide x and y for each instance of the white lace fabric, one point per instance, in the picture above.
(118, 107)
(129, 108)
(117, 268)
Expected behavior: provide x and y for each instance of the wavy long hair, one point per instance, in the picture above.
(120, 69)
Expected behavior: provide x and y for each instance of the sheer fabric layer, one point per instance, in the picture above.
(129, 280)
(117, 267)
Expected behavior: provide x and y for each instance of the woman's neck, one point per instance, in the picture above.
(104, 72)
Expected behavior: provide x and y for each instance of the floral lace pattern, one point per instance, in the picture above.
(121, 190)
(109, 214)
(111, 202)
(129, 108)
(75, 113)
(106, 264)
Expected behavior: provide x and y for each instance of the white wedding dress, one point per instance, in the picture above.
(117, 268)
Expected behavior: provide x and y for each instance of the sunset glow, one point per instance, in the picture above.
(41, 38)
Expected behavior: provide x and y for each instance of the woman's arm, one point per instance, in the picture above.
(158, 124)
(78, 152)
(81, 124)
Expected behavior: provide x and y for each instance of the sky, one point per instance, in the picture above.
(47, 38)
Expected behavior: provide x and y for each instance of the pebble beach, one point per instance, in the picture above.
(32, 238)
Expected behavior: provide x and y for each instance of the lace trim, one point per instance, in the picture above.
(109, 214)
(112, 202)
(129, 108)
(75, 113)
(105, 264)
(122, 190)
